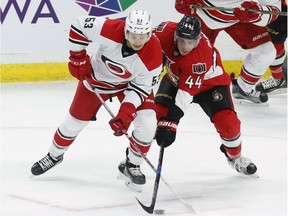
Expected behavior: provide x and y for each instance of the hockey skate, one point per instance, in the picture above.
(241, 164)
(45, 164)
(255, 97)
(271, 84)
(132, 175)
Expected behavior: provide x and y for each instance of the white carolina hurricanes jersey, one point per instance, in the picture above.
(216, 19)
(115, 66)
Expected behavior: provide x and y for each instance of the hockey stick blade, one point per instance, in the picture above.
(232, 9)
(150, 209)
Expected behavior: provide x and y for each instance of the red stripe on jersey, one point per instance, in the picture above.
(117, 34)
(218, 15)
(221, 16)
(106, 85)
(77, 36)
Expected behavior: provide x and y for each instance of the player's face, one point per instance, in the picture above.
(185, 46)
(136, 41)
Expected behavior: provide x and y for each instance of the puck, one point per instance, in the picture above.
(159, 211)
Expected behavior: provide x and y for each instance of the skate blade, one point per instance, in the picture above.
(129, 183)
(250, 103)
(278, 91)
(255, 175)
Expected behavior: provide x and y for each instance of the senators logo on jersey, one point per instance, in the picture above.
(116, 68)
(199, 68)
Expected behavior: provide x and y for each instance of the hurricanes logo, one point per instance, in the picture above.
(116, 68)
(104, 7)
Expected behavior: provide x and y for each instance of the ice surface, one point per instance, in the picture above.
(85, 184)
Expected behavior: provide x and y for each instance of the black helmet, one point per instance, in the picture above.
(189, 27)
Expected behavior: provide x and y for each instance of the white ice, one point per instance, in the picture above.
(86, 184)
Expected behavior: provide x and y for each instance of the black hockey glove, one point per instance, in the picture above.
(166, 132)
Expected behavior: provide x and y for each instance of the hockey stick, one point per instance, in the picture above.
(137, 149)
(232, 9)
(150, 209)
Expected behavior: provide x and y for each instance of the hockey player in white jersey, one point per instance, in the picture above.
(278, 32)
(247, 29)
(125, 65)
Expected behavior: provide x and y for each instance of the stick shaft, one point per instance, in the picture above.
(232, 9)
(150, 209)
(158, 175)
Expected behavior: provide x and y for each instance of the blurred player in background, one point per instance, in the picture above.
(248, 30)
(278, 68)
(126, 64)
(195, 74)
